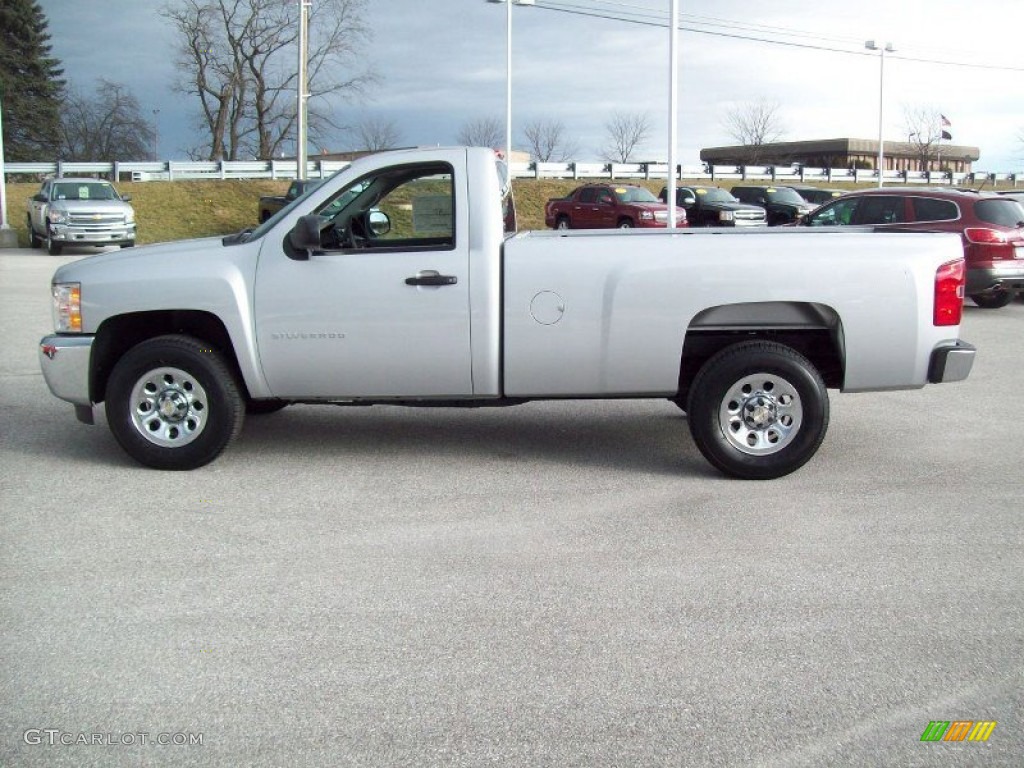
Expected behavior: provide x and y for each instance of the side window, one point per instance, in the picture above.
(839, 214)
(396, 208)
(587, 195)
(881, 209)
(930, 209)
(604, 197)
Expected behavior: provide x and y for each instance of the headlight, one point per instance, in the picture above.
(67, 307)
(725, 216)
(129, 217)
(646, 215)
(57, 216)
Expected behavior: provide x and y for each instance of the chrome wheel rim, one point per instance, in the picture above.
(761, 414)
(168, 407)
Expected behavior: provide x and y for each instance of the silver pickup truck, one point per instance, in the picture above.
(396, 282)
(69, 211)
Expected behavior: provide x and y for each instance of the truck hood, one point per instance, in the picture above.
(138, 258)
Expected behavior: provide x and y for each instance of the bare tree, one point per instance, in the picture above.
(238, 58)
(546, 141)
(482, 132)
(924, 133)
(106, 125)
(626, 130)
(752, 125)
(377, 134)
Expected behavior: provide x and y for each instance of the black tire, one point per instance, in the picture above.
(52, 246)
(263, 407)
(128, 244)
(173, 403)
(994, 300)
(562, 222)
(758, 410)
(34, 240)
(625, 224)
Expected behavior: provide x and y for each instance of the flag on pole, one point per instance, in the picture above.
(945, 121)
(947, 135)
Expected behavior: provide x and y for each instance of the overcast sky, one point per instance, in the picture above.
(442, 62)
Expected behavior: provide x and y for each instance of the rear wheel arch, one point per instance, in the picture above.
(811, 329)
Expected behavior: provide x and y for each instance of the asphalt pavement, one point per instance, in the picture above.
(555, 584)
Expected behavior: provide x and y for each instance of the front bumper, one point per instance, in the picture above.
(63, 233)
(1008, 276)
(951, 361)
(65, 364)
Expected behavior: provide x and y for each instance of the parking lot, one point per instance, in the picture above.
(556, 584)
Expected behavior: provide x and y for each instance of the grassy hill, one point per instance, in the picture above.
(180, 210)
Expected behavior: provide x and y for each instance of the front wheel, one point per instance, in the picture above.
(173, 403)
(562, 222)
(758, 410)
(625, 224)
(34, 240)
(52, 246)
(994, 300)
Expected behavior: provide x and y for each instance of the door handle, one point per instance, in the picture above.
(430, 277)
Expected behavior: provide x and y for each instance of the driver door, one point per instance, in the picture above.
(373, 313)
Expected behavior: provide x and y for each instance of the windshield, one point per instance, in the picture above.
(715, 195)
(634, 195)
(84, 190)
(784, 195)
(266, 226)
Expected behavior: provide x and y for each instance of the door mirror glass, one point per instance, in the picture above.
(379, 223)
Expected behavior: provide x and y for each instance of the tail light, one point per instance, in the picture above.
(985, 236)
(949, 293)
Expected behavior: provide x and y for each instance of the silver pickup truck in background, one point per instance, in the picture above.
(396, 282)
(79, 212)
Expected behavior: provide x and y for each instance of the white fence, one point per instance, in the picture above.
(288, 169)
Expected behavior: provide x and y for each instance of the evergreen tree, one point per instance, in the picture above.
(30, 84)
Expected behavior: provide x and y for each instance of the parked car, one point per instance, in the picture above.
(817, 195)
(991, 227)
(783, 205)
(271, 204)
(609, 206)
(714, 207)
(72, 211)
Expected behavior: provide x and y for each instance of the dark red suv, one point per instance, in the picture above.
(991, 227)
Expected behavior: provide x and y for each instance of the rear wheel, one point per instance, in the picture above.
(993, 300)
(758, 410)
(173, 403)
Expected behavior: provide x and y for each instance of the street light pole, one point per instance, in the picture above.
(882, 50)
(508, 71)
(8, 239)
(673, 122)
(303, 91)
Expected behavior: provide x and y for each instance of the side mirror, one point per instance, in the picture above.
(378, 223)
(689, 201)
(304, 237)
(40, 198)
(126, 198)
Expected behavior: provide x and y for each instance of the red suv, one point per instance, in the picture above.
(991, 227)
